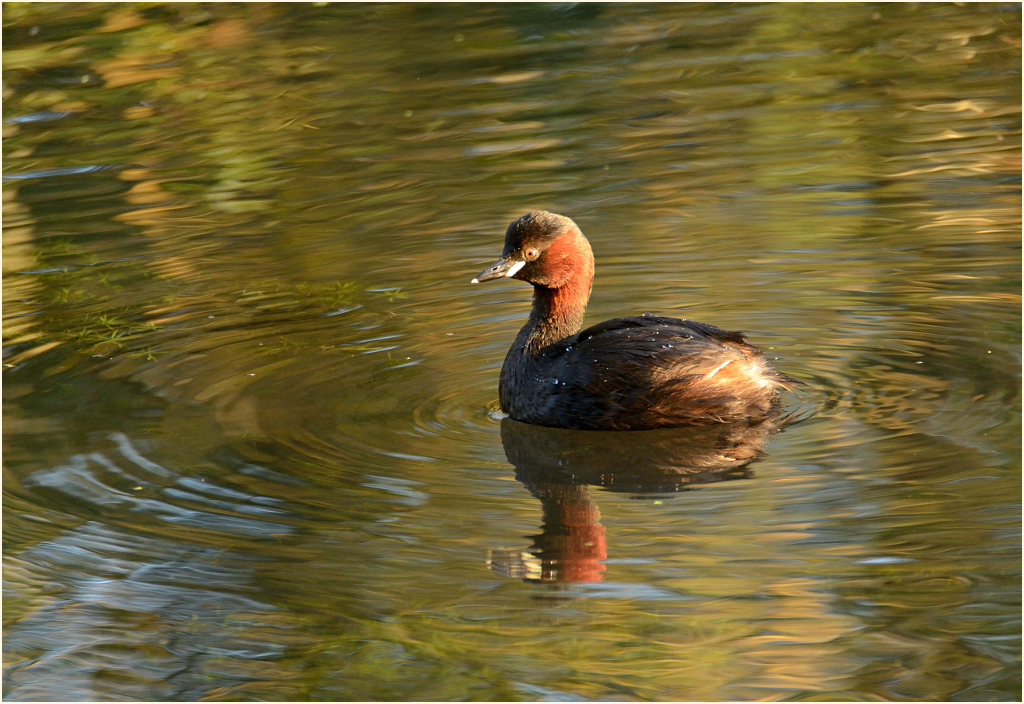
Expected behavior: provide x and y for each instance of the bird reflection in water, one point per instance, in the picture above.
(559, 466)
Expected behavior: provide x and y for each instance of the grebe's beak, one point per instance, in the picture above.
(503, 268)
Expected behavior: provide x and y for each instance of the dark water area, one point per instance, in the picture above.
(251, 441)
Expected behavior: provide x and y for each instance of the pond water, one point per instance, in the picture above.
(252, 447)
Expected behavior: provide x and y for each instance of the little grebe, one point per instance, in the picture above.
(629, 373)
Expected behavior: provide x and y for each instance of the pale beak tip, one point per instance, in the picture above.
(475, 280)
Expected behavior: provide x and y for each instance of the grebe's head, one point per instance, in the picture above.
(544, 249)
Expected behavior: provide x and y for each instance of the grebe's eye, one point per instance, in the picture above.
(531, 254)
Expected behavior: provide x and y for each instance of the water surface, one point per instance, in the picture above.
(252, 448)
